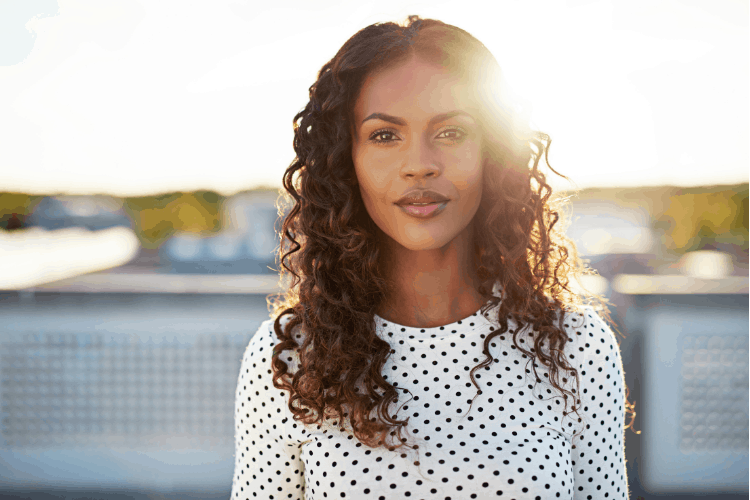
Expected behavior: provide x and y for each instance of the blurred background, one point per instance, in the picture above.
(141, 152)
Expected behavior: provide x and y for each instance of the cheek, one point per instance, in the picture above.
(373, 188)
(468, 177)
(472, 198)
(372, 176)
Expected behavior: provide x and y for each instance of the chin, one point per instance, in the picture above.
(420, 240)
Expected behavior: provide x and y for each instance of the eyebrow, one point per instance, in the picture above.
(400, 121)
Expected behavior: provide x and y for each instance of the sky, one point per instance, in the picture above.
(134, 98)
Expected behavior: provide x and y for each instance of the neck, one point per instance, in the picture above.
(431, 287)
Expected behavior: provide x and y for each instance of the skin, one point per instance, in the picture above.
(430, 262)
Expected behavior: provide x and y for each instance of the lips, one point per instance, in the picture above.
(422, 203)
(423, 211)
(421, 197)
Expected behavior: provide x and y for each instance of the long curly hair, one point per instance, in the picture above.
(330, 250)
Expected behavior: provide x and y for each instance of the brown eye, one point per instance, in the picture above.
(455, 134)
(382, 136)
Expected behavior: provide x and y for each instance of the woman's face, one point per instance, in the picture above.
(416, 129)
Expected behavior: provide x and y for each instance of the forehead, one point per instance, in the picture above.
(412, 90)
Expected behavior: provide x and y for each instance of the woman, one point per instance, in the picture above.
(428, 274)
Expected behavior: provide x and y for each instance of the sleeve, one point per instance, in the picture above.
(267, 466)
(598, 455)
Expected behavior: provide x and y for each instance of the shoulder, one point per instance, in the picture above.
(260, 407)
(256, 361)
(597, 353)
(263, 341)
(589, 335)
(259, 351)
(256, 370)
(602, 375)
(586, 323)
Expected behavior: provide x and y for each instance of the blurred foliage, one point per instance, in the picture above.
(705, 219)
(15, 208)
(685, 219)
(688, 218)
(157, 218)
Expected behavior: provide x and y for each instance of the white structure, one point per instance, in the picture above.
(604, 227)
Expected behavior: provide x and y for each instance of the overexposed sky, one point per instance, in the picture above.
(131, 97)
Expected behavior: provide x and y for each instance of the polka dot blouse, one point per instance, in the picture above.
(514, 442)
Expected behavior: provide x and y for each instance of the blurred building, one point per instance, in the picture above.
(247, 243)
(65, 237)
(91, 212)
(603, 227)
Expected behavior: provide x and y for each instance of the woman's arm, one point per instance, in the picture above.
(267, 464)
(599, 454)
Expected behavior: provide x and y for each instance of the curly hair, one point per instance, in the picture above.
(330, 247)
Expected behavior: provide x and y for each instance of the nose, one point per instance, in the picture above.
(420, 162)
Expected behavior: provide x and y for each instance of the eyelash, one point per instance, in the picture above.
(386, 131)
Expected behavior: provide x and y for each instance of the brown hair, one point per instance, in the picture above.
(330, 248)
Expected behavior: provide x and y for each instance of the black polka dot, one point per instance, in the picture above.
(510, 439)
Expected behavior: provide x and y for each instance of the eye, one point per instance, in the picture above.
(382, 133)
(452, 134)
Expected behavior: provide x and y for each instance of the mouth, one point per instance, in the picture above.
(423, 210)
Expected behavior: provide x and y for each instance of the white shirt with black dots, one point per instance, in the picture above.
(514, 442)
